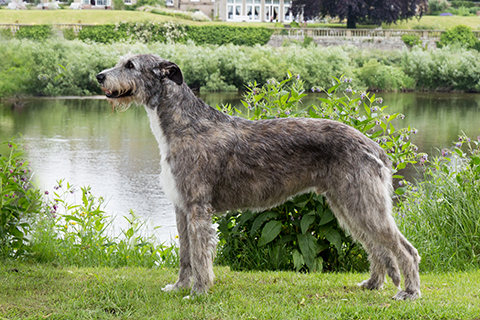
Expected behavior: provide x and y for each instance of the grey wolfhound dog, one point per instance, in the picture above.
(212, 162)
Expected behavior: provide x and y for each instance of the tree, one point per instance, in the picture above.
(368, 11)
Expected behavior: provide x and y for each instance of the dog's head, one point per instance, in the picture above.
(137, 77)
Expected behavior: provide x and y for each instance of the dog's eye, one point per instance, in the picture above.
(129, 65)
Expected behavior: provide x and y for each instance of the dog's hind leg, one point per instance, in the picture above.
(202, 247)
(371, 223)
(185, 273)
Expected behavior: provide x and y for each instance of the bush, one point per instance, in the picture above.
(440, 214)
(19, 201)
(380, 77)
(118, 5)
(459, 4)
(436, 7)
(294, 24)
(220, 35)
(462, 11)
(302, 234)
(460, 34)
(172, 32)
(69, 34)
(40, 32)
(106, 33)
(450, 68)
(411, 40)
(6, 34)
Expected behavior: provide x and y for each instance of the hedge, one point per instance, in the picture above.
(158, 32)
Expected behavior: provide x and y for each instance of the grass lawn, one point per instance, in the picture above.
(95, 16)
(112, 16)
(37, 291)
(437, 22)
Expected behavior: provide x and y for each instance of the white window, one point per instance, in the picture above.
(234, 9)
(253, 11)
(287, 11)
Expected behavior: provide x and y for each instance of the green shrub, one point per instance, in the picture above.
(69, 34)
(6, 34)
(294, 24)
(411, 40)
(19, 201)
(436, 7)
(440, 214)
(462, 11)
(119, 5)
(106, 33)
(377, 76)
(40, 32)
(460, 34)
(219, 35)
(459, 4)
(422, 27)
(302, 234)
(450, 68)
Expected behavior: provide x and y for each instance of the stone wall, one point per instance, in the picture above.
(362, 43)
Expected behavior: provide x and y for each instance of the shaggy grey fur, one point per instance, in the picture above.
(212, 162)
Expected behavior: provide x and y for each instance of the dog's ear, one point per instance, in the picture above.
(167, 69)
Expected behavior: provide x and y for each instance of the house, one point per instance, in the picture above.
(225, 10)
(240, 10)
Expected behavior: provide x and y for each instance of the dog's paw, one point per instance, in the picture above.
(169, 287)
(370, 285)
(406, 295)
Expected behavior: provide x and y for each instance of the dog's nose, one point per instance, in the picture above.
(100, 77)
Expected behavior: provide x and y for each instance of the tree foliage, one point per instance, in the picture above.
(370, 11)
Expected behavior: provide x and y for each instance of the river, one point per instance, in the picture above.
(81, 141)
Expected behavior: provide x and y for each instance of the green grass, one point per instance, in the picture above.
(98, 17)
(112, 16)
(41, 291)
(436, 22)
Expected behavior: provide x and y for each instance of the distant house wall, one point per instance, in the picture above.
(206, 6)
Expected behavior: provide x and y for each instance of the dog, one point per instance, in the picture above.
(212, 162)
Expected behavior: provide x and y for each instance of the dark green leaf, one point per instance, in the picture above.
(270, 232)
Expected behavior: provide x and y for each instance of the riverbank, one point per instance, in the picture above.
(44, 291)
(60, 68)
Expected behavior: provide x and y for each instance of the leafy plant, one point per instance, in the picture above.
(69, 34)
(436, 7)
(377, 76)
(18, 201)
(460, 34)
(40, 32)
(302, 234)
(77, 234)
(411, 40)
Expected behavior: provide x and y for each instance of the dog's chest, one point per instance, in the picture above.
(167, 179)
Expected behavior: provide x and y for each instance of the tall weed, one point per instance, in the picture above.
(19, 202)
(76, 233)
(440, 215)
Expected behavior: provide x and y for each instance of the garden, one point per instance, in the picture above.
(59, 258)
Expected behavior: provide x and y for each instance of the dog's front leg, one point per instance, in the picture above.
(202, 247)
(185, 274)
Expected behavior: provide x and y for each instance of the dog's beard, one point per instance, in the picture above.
(122, 104)
(120, 99)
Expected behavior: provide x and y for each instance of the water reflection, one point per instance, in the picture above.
(117, 155)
